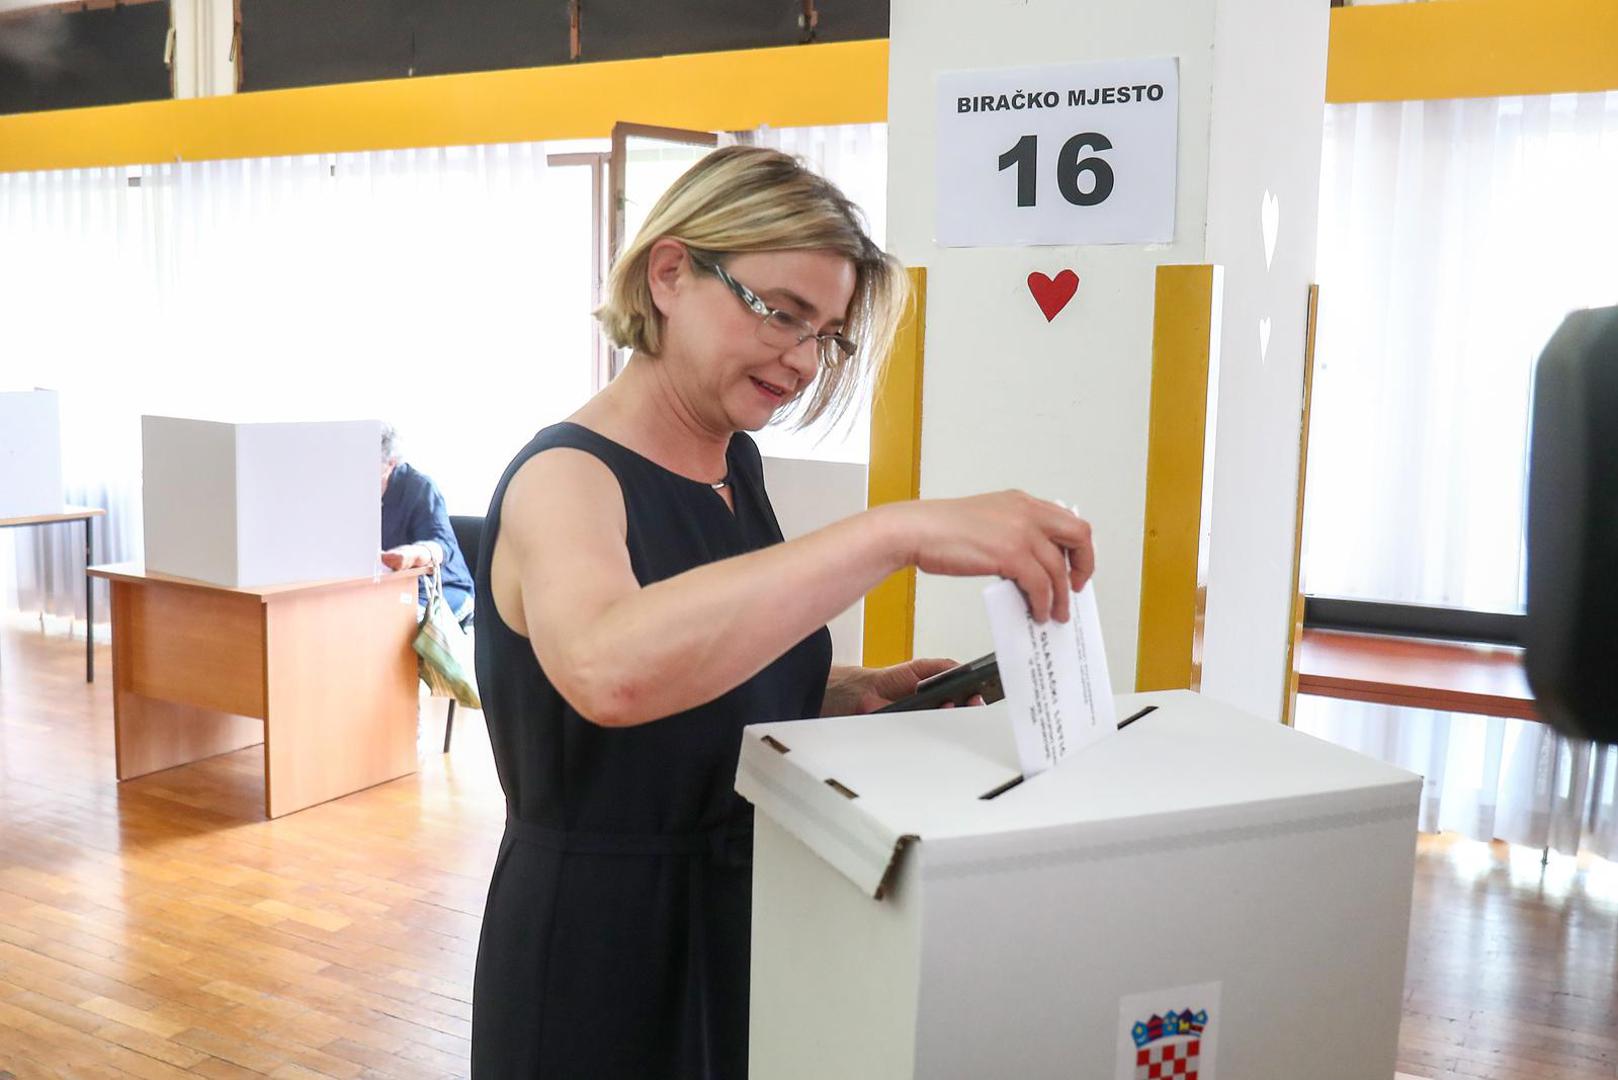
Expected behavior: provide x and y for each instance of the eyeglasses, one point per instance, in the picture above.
(781, 329)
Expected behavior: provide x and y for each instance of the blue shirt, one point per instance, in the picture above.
(413, 510)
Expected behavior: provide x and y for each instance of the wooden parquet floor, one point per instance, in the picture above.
(1513, 967)
(160, 929)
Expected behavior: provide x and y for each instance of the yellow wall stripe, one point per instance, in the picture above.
(895, 475)
(836, 83)
(1179, 476)
(1295, 634)
(1471, 48)
(1384, 52)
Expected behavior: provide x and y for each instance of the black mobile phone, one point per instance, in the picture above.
(959, 685)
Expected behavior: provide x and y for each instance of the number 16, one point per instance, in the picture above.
(1069, 167)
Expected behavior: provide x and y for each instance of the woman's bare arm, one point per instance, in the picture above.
(623, 654)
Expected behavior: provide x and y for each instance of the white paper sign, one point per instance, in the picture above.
(1172, 1033)
(1055, 678)
(1067, 154)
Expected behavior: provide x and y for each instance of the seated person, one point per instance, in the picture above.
(416, 529)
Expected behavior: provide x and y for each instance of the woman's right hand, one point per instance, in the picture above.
(1045, 548)
(408, 556)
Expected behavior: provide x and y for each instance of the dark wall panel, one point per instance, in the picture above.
(486, 35)
(63, 60)
(851, 20)
(315, 42)
(58, 60)
(626, 29)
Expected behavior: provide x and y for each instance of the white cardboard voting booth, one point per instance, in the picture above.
(261, 504)
(809, 495)
(1203, 892)
(30, 453)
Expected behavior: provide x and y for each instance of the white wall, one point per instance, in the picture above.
(1061, 408)
(1269, 108)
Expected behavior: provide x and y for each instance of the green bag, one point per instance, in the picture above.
(444, 650)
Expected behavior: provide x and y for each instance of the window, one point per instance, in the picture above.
(1455, 236)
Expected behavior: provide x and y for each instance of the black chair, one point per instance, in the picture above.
(468, 531)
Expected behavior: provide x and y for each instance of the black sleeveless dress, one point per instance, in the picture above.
(615, 939)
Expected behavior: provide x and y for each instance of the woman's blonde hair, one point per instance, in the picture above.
(748, 199)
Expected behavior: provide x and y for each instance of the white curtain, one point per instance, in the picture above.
(446, 290)
(1454, 237)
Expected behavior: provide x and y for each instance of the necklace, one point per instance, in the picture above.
(722, 484)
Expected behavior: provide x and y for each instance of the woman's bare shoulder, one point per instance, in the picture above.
(561, 482)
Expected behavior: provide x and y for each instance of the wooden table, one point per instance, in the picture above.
(87, 515)
(1416, 673)
(321, 673)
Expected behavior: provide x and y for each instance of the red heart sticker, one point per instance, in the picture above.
(1052, 295)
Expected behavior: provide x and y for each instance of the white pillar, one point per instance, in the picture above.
(1060, 408)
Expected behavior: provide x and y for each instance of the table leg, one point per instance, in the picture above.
(89, 607)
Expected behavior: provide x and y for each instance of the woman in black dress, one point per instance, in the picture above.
(636, 607)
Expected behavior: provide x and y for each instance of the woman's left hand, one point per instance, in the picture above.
(855, 690)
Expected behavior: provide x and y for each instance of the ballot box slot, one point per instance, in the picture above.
(845, 792)
(1132, 717)
(996, 792)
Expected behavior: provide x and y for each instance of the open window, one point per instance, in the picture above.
(644, 161)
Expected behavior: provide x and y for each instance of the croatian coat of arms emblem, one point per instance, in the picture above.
(1169, 1046)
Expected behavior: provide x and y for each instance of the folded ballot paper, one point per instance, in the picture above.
(1058, 692)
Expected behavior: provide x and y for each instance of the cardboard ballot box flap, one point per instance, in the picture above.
(861, 790)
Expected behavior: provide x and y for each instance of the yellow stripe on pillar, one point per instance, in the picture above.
(895, 475)
(1179, 476)
(1295, 637)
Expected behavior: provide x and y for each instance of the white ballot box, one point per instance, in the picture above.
(1202, 894)
(30, 453)
(261, 504)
